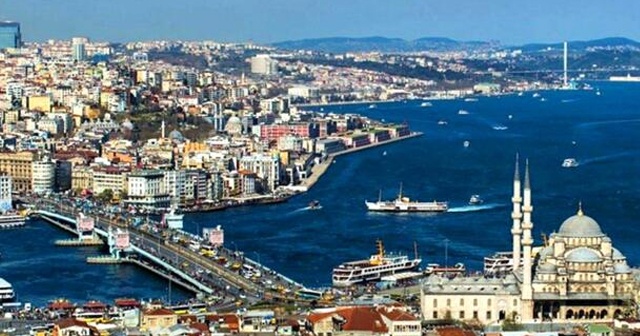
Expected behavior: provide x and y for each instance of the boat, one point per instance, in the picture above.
(442, 122)
(457, 269)
(475, 200)
(372, 106)
(500, 127)
(314, 205)
(7, 295)
(173, 220)
(536, 95)
(404, 204)
(471, 99)
(377, 266)
(627, 78)
(11, 219)
(426, 104)
(499, 263)
(570, 163)
(463, 112)
(466, 143)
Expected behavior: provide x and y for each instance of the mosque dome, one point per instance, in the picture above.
(176, 135)
(621, 268)
(547, 268)
(546, 252)
(583, 255)
(234, 125)
(617, 255)
(580, 226)
(127, 124)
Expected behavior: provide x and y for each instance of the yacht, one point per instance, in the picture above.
(6, 292)
(314, 205)
(372, 106)
(379, 265)
(570, 163)
(11, 219)
(457, 269)
(500, 263)
(173, 220)
(442, 122)
(475, 200)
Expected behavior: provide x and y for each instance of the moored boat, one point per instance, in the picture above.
(11, 219)
(379, 265)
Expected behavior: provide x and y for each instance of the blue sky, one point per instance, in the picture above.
(509, 21)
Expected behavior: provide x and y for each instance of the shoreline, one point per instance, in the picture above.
(318, 170)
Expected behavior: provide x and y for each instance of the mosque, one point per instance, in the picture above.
(577, 276)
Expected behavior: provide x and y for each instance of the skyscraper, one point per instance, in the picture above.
(79, 51)
(10, 35)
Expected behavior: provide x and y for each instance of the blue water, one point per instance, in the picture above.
(599, 131)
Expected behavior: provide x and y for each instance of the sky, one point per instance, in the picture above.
(263, 21)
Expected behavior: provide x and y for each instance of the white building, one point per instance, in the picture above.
(304, 92)
(174, 181)
(146, 188)
(5, 192)
(78, 45)
(263, 65)
(266, 167)
(111, 178)
(44, 176)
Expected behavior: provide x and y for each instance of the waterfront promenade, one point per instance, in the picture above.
(319, 169)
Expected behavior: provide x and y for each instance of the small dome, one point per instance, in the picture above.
(127, 124)
(617, 255)
(176, 135)
(547, 268)
(580, 226)
(621, 268)
(583, 255)
(234, 120)
(547, 251)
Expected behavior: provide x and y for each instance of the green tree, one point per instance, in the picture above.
(106, 195)
(510, 324)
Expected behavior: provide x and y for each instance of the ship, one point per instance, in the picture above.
(172, 219)
(379, 265)
(475, 200)
(12, 219)
(627, 78)
(405, 204)
(315, 205)
(499, 263)
(7, 295)
(452, 271)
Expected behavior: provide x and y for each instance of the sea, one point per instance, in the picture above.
(599, 130)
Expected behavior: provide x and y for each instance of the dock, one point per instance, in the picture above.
(109, 260)
(79, 242)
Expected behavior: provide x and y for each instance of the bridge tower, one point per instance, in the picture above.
(118, 241)
(84, 227)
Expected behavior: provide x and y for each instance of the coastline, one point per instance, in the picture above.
(318, 170)
(353, 102)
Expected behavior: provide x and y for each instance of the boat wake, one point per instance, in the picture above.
(604, 158)
(471, 208)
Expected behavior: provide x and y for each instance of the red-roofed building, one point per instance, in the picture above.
(453, 331)
(127, 303)
(74, 327)
(364, 321)
(228, 323)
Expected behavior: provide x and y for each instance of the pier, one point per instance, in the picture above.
(155, 251)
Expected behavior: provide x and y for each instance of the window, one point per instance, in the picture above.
(488, 302)
(475, 302)
(488, 315)
(435, 315)
(461, 314)
(448, 302)
(515, 302)
(461, 302)
(435, 303)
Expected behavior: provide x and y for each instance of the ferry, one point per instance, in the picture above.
(173, 220)
(404, 204)
(627, 78)
(372, 106)
(475, 200)
(471, 99)
(7, 295)
(570, 163)
(11, 219)
(378, 265)
(457, 269)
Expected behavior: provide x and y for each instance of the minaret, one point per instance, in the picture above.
(516, 215)
(162, 130)
(527, 241)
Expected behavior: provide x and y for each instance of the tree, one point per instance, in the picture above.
(510, 324)
(106, 195)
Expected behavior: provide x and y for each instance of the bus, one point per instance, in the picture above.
(309, 294)
(207, 251)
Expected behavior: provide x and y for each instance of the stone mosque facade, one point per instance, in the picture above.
(577, 276)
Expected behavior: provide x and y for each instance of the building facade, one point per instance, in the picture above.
(10, 36)
(19, 167)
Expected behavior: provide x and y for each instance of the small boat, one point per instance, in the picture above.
(536, 95)
(543, 99)
(570, 163)
(384, 153)
(466, 143)
(442, 122)
(426, 104)
(372, 106)
(519, 94)
(500, 127)
(314, 205)
(475, 200)
(463, 112)
(471, 99)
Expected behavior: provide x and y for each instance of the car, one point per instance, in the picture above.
(9, 330)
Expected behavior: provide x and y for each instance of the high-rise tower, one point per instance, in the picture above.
(78, 45)
(10, 36)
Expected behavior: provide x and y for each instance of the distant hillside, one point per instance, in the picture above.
(582, 45)
(387, 45)
(380, 44)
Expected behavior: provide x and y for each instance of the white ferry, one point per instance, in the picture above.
(6, 292)
(173, 220)
(404, 204)
(570, 163)
(11, 219)
(463, 112)
(378, 265)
